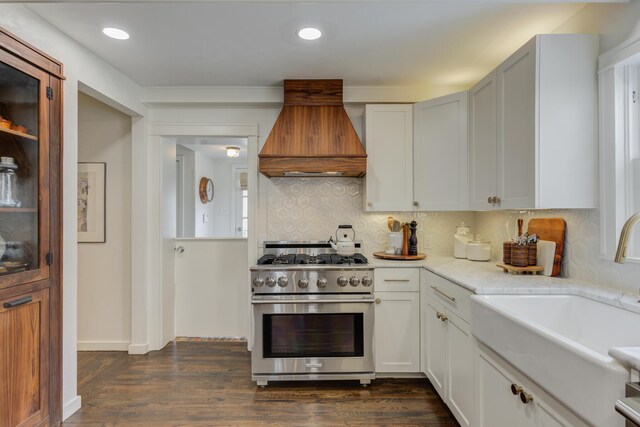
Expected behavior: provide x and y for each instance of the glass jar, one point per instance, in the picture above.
(8, 182)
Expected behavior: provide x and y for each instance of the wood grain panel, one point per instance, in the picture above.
(35, 56)
(24, 343)
(552, 229)
(277, 166)
(313, 92)
(313, 131)
(209, 384)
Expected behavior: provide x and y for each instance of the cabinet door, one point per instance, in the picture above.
(483, 142)
(460, 350)
(436, 346)
(24, 179)
(497, 406)
(397, 332)
(440, 146)
(516, 128)
(389, 142)
(24, 358)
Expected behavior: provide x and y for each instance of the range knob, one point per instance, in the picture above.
(322, 282)
(283, 281)
(354, 281)
(258, 281)
(303, 283)
(342, 281)
(367, 281)
(270, 282)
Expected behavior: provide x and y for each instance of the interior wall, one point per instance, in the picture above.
(189, 190)
(204, 167)
(104, 269)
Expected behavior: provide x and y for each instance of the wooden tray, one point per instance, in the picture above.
(383, 255)
(532, 269)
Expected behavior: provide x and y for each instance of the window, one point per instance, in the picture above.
(619, 146)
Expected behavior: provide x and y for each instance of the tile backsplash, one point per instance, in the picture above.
(312, 209)
(581, 257)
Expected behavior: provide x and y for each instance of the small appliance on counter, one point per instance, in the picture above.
(344, 246)
(479, 250)
(460, 240)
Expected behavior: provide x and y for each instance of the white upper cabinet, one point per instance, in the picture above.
(440, 146)
(483, 142)
(389, 144)
(533, 127)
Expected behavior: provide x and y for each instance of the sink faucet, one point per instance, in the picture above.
(624, 238)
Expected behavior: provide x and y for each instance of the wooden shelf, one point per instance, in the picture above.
(20, 134)
(17, 210)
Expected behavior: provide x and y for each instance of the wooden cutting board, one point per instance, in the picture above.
(553, 229)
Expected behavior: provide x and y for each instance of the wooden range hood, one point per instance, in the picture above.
(313, 135)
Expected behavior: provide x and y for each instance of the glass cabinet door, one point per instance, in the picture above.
(24, 172)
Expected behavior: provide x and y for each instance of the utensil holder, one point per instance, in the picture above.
(533, 252)
(506, 252)
(520, 255)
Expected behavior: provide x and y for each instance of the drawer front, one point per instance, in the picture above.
(453, 296)
(397, 279)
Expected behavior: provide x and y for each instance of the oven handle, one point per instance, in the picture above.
(316, 301)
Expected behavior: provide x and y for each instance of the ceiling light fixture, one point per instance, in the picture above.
(233, 151)
(309, 33)
(116, 33)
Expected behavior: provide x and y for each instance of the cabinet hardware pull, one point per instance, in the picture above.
(179, 249)
(396, 280)
(443, 318)
(497, 199)
(369, 204)
(435, 288)
(489, 199)
(17, 302)
(313, 365)
(378, 300)
(526, 397)
(516, 389)
(439, 315)
(415, 203)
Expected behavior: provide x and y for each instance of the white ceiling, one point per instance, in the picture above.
(391, 43)
(214, 147)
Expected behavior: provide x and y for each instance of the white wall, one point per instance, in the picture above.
(203, 168)
(189, 190)
(212, 289)
(104, 269)
(82, 69)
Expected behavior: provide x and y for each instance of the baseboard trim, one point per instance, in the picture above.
(71, 407)
(103, 345)
(138, 348)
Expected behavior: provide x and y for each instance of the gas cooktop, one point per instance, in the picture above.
(306, 259)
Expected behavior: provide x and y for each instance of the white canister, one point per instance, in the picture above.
(395, 243)
(479, 250)
(460, 240)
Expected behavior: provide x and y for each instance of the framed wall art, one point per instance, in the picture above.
(92, 178)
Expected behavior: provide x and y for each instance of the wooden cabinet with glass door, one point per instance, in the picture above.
(30, 235)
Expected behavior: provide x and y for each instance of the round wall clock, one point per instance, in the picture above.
(206, 189)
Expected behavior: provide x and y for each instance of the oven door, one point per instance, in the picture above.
(313, 334)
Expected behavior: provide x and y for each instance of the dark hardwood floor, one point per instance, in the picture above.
(209, 384)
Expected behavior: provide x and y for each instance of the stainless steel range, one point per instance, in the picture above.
(313, 314)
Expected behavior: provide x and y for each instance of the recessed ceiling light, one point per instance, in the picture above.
(116, 33)
(309, 33)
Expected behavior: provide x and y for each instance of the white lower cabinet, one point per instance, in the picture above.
(448, 350)
(498, 406)
(397, 321)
